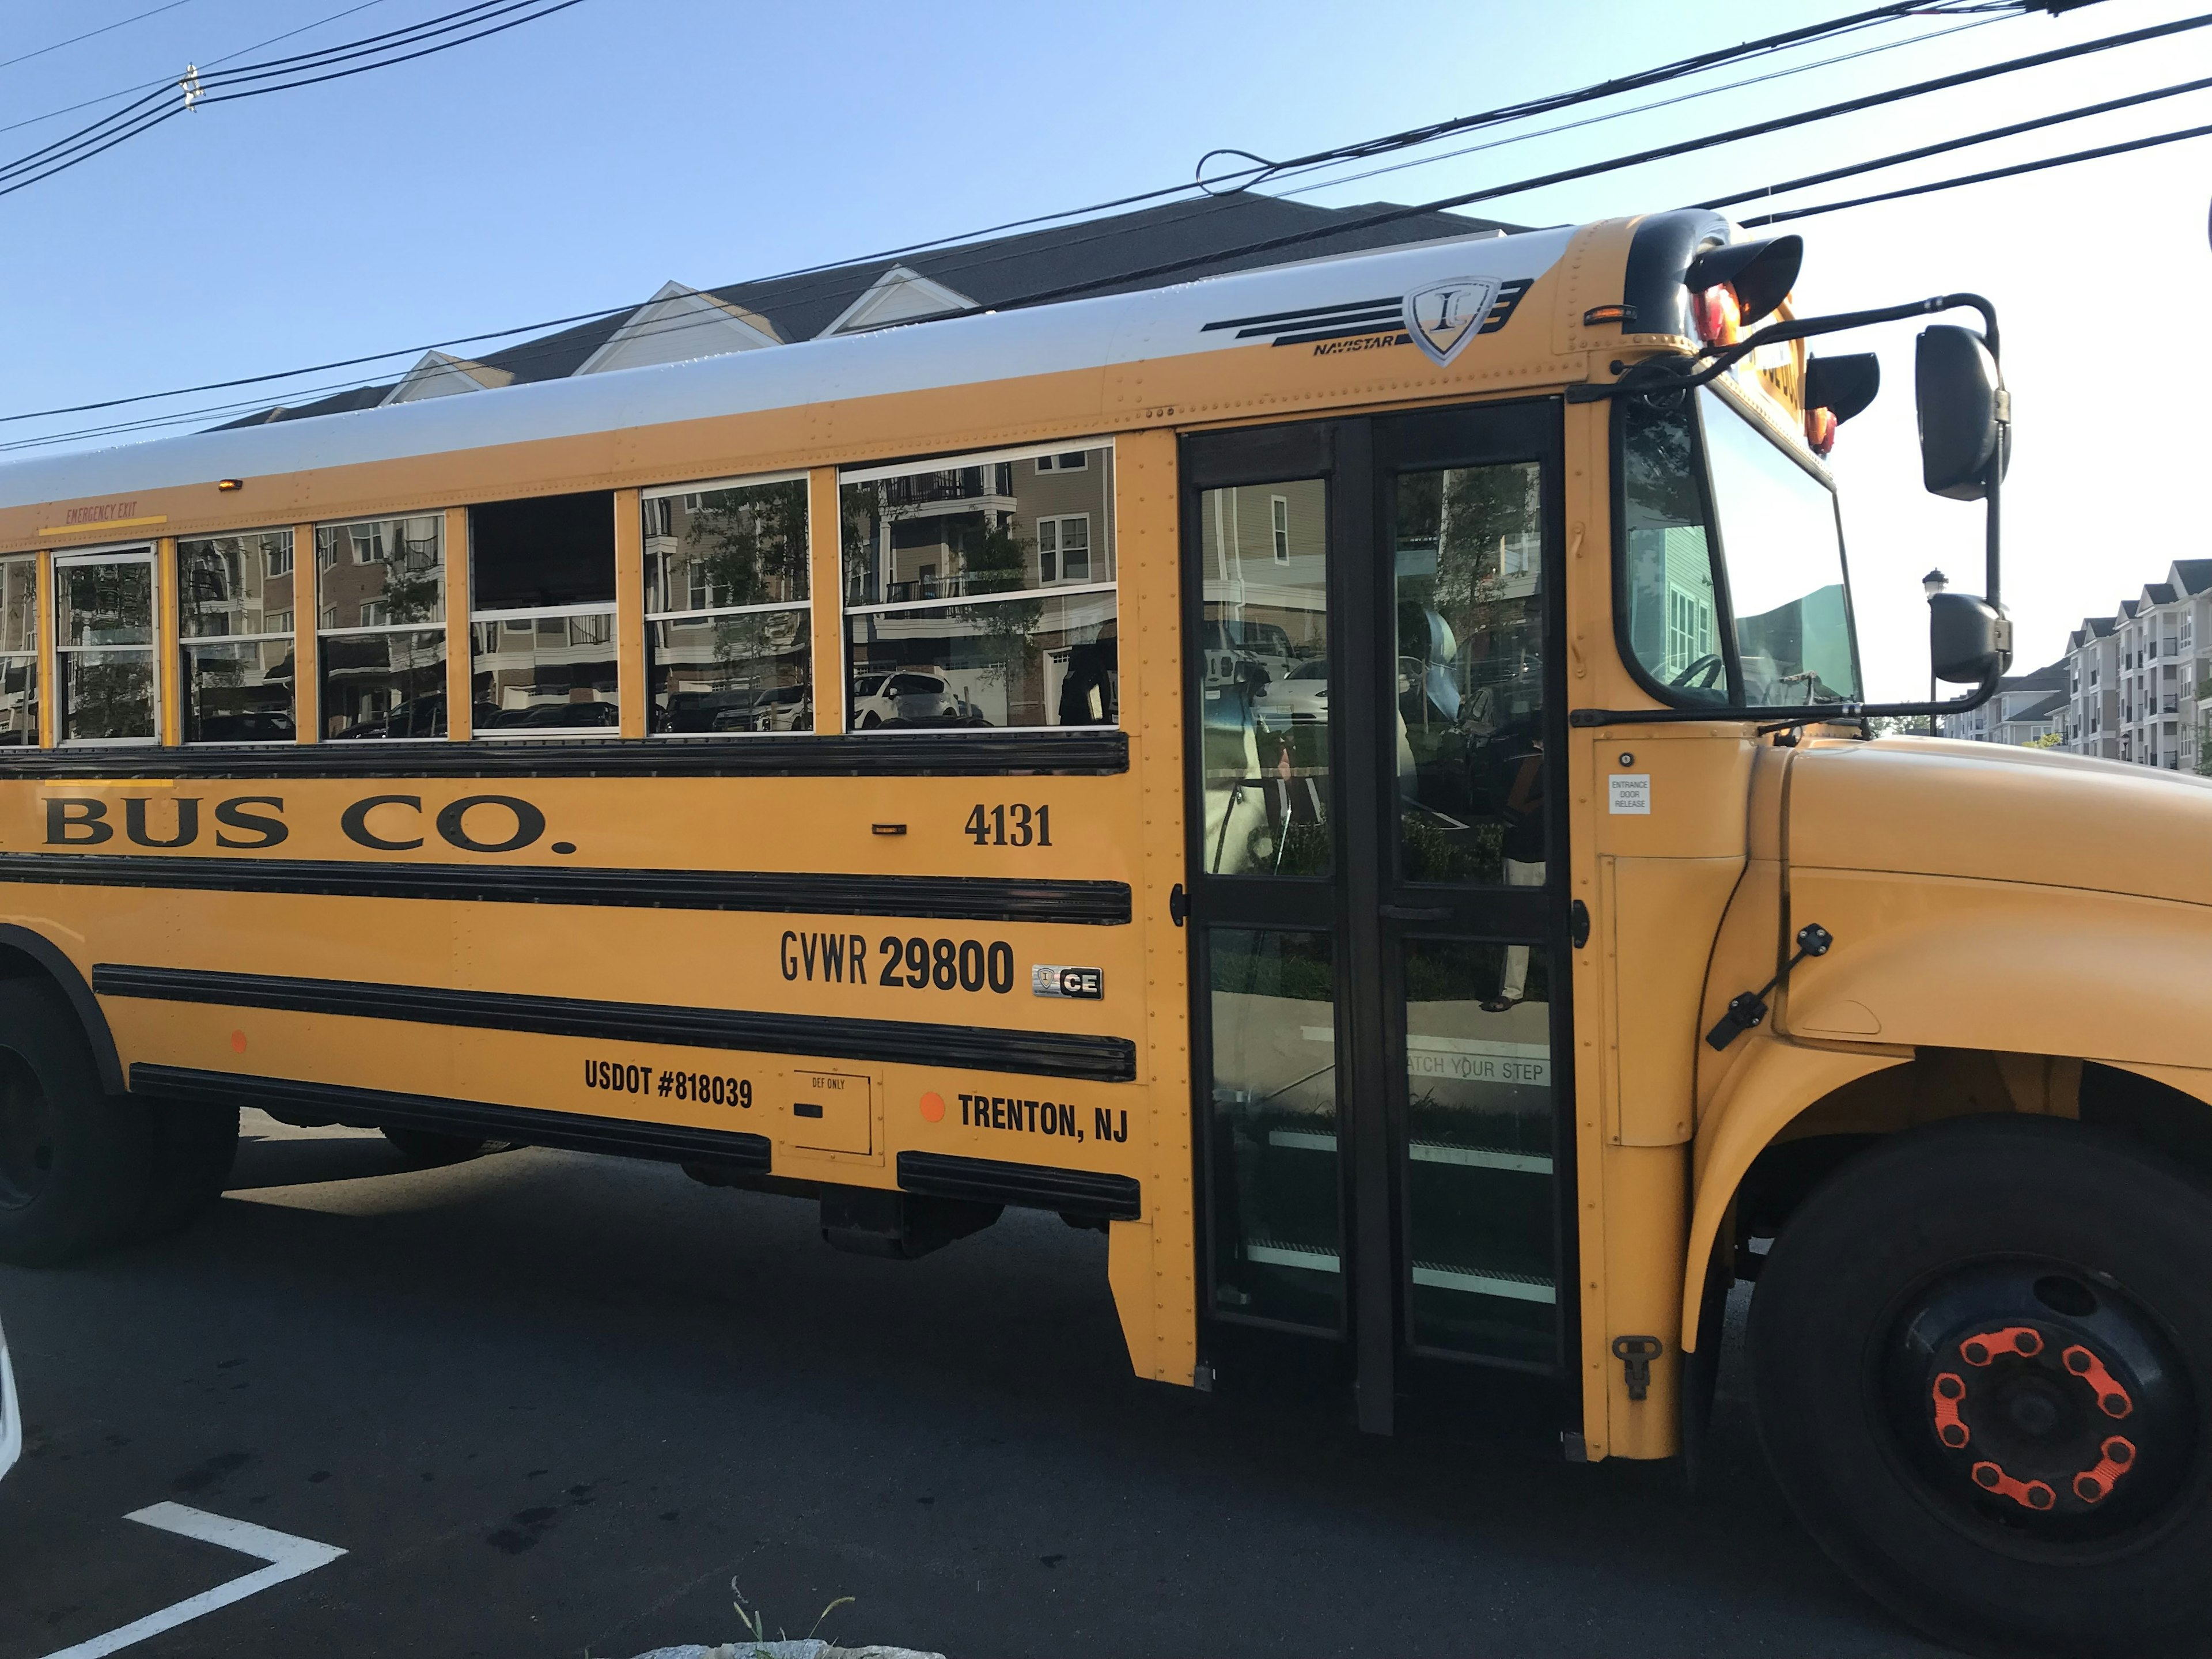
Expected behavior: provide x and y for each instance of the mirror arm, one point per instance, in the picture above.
(1797, 329)
(1787, 716)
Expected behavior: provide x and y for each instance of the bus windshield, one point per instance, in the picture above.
(1778, 574)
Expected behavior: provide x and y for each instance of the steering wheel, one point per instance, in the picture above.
(1700, 675)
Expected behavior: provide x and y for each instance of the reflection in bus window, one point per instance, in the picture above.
(1264, 671)
(1469, 679)
(234, 617)
(1479, 1180)
(381, 596)
(19, 650)
(542, 617)
(728, 640)
(1783, 549)
(1277, 1250)
(981, 591)
(104, 646)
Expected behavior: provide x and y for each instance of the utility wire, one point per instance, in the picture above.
(1990, 135)
(1369, 147)
(166, 80)
(1661, 152)
(143, 115)
(1992, 174)
(191, 416)
(106, 28)
(1333, 230)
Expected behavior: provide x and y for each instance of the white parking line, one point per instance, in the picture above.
(288, 1557)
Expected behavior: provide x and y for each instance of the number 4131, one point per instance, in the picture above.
(1011, 826)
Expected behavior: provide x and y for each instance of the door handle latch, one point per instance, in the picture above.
(1178, 904)
(1578, 924)
(1748, 1009)
(1636, 1354)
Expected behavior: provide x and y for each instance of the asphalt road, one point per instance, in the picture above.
(553, 1405)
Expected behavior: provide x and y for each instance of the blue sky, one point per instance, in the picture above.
(581, 161)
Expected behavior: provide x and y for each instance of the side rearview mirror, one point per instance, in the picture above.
(1964, 416)
(1968, 639)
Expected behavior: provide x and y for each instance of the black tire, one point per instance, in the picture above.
(1937, 1454)
(75, 1161)
(429, 1148)
(194, 1147)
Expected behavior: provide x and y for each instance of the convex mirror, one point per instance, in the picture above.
(1963, 418)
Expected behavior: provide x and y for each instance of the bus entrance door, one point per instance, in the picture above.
(1378, 898)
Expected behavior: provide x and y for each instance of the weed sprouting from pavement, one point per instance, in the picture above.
(754, 1623)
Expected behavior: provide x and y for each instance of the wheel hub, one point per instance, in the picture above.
(2044, 1402)
(27, 1134)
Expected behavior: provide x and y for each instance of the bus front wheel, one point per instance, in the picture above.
(75, 1162)
(1982, 1369)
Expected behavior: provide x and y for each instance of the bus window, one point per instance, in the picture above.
(728, 640)
(104, 646)
(380, 598)
(1470, 674)
(234, 628)
(1265, 679)
(19, 650)
(542, 617)
(980, 590)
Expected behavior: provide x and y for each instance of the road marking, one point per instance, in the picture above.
(288, 1557)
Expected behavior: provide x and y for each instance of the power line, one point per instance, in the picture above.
(1333, 230)
(1992, 174)
(190, 415)
(140, 116)
(1661, 152)
(105, 28)
(165, 81)
(1429, 134)
(1988, 136)
(1641, 109)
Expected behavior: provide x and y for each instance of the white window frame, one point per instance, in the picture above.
(694, 496)
(127, 553)
(267, 636)
(1058, 590)
(1064, 461)
(1278, 527)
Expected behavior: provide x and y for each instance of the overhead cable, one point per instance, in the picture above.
(1944, 146)
(1333, 230)
(483, 20)
(1988, 177)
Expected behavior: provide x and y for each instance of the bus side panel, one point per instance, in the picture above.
(1152, 1262)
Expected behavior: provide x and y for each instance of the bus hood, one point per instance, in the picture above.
(1984, 812)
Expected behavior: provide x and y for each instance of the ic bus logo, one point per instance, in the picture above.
(1444, 317)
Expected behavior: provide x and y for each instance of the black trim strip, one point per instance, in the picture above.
(1032, 1186)
(1042, 1054)
(375, 1108)
(951, 898)
(1083, 751)
(1306, 311)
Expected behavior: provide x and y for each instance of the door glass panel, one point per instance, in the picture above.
(1479, 1182)
(1469, 674)
(1276, 1253)
(1264, 645)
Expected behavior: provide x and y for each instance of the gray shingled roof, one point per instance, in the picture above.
(2050, 707)
(998, 271)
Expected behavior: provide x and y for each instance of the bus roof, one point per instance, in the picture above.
(1346, 296)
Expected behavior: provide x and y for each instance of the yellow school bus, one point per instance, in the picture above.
(1351, 778)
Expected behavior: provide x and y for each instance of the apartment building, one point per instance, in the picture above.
(2138, 682)
(2028, 708)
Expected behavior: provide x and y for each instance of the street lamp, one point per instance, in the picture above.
(1932, 584)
